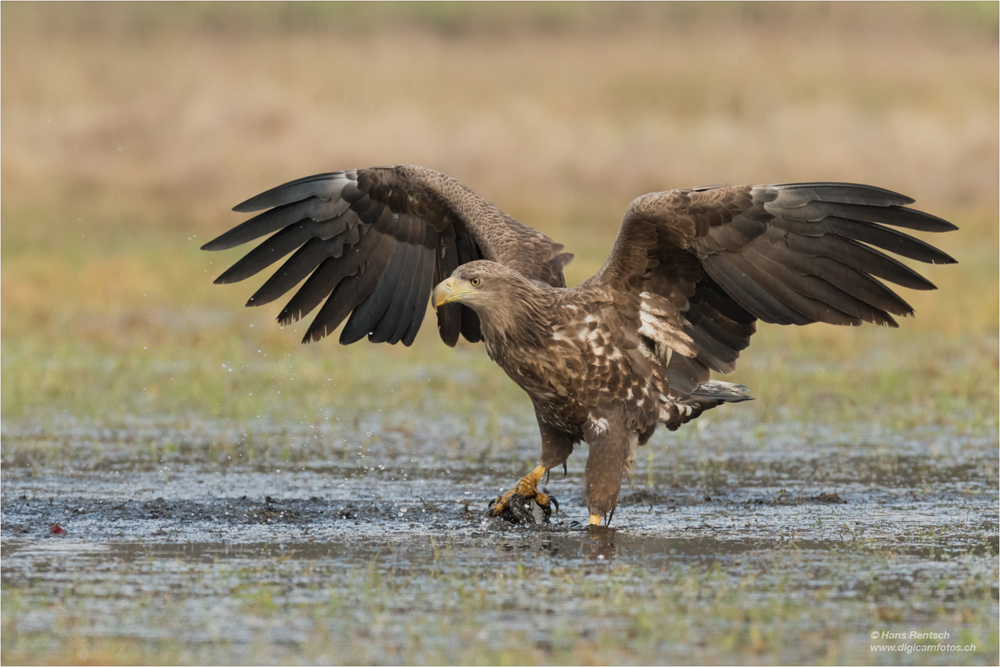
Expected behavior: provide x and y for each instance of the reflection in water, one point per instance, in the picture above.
(599, 544)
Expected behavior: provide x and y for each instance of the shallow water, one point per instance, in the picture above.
(259, 558)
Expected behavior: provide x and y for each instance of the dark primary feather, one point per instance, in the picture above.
(794, 194)
(324, 186)
(270, 221)
(372, 243)
(329, 274)
(872, 233)
(412, 314)
(395, 277)
(449, 316)
(269, 252)
(295, 270)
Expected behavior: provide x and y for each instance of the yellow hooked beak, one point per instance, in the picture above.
(450, 290)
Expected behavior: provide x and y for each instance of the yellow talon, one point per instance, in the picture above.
(595, 519)
(526, 487)
(531, 480)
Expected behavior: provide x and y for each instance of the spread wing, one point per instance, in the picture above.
(720, 258)
(373, 243)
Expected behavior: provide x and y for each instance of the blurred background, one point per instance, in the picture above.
(130, 130)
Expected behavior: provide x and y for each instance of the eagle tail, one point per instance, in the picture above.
(678, 410)
(724, 392)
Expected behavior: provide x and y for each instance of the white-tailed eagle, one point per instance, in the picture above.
(606, 361)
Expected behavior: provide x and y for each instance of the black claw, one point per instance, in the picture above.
(493, 503)
(547, 507)
(518, 509)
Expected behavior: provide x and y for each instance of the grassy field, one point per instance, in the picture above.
(127, 139)
(129, 130)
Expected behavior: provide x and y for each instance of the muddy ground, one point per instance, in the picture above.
(783, 543)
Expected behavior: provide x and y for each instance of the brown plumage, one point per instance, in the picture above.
(609, 360)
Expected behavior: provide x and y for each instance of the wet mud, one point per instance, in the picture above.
(855, 531)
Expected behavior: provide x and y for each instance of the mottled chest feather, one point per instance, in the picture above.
(583, 362)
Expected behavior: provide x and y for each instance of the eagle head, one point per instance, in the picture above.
(478, 285)
(510, 307)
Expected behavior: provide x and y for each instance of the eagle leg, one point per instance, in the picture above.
(514, 506)
(612, 451)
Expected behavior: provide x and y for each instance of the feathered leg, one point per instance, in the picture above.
(556, 448)
(556, 445)
(612, 451)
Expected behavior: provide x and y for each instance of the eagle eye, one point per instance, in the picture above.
(476, 282)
